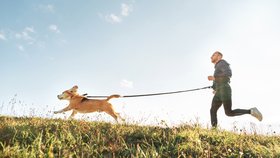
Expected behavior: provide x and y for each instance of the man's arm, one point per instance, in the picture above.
(211, 78)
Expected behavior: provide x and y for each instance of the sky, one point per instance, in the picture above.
(136, 47)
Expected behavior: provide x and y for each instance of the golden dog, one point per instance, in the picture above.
(81, 104)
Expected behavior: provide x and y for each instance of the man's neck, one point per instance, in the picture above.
(217, 61)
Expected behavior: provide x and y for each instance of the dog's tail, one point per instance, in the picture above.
(113, 96)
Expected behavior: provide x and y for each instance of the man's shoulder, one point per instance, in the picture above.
(222, 62)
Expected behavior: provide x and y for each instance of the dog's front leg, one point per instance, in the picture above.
(63, 110)
(73, 114)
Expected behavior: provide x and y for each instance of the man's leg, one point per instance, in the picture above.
(236, 112)
(216, 104)
(227, 102)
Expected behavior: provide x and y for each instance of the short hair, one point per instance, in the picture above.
(217, 52)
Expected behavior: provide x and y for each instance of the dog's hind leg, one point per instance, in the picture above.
(112, 113)
(122, 119)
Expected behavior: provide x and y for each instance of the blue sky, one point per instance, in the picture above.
(135, 47)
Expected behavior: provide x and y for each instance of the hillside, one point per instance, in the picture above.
(36, 137)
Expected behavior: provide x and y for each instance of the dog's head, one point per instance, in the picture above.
(68, 94)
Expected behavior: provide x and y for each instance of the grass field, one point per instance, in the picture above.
(37, 137)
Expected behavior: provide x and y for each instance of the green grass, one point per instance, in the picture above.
(37, 137)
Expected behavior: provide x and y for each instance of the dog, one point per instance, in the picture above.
(81, 104)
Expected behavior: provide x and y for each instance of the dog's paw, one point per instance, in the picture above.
(120, 120)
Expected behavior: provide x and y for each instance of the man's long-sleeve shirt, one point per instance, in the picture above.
(222, 73)
(222, 69)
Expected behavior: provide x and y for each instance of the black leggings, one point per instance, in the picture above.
(223, 96)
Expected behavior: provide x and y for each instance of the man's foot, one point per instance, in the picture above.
(256, 113)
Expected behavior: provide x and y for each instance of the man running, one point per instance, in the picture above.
(222, 91)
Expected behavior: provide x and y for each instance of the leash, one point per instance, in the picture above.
(152, 94)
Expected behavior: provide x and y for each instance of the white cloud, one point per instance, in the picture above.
(54, 28)
(126, 84)
(26, 35)
(29, 29)
(50, 8)
(20, 47)
(126, 9)
(24, 38)
(112, 18)
(2, 37)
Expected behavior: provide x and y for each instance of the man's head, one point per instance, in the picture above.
(217, 56)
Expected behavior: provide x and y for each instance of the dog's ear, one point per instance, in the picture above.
(75, 87)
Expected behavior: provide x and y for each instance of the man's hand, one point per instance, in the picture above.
(211, 78)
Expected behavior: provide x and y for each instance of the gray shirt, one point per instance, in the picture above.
(222, 69)
(222, 73)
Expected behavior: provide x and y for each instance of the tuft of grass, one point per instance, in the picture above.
(37, 137)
